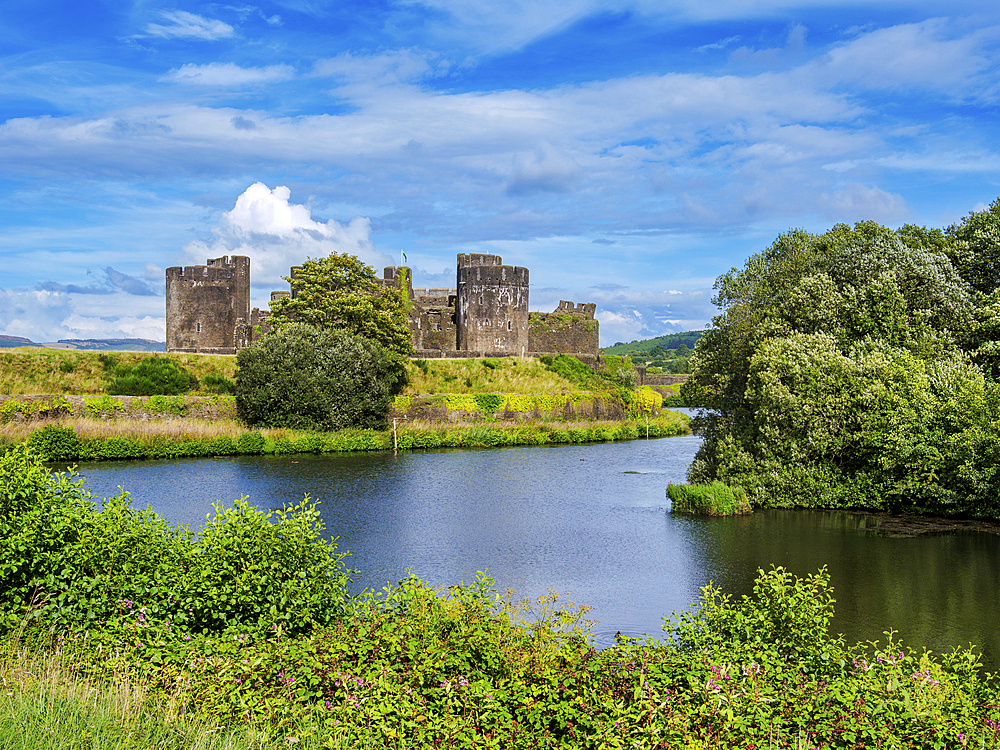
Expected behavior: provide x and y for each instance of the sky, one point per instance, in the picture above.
(626, 153)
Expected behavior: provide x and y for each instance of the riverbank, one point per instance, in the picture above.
(142, 633)
(94, 439)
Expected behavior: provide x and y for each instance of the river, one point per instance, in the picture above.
(591, 520)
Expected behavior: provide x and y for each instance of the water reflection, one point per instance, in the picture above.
(590, 520)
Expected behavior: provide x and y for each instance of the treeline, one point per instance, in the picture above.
(249, 626)
(858, 368)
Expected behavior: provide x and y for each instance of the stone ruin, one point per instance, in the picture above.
(485, 315)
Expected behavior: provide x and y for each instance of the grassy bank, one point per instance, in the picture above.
(31, 370)
(88, 439)
(117, 629)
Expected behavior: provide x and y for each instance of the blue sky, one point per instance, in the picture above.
(627, 153)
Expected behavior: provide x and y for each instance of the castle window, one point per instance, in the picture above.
(197, 327)
(508, 325)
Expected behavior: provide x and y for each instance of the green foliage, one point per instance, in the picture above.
(165, 404)
(467, 667)
(715, 499)
(55, 443)
(70, 567)
(974, 248)
(343, 293)
(832, 369)
(218, 384)
(49, 407)
(103, 405)
(151, 376)
(309, 378)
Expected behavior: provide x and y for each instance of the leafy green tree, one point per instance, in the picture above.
(820, 370)
(305, 377)
(974, 248)
(341, 292)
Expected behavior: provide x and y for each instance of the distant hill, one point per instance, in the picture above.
(670, 341)
(115, 345)
(9, 342)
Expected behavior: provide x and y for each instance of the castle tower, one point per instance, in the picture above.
(208, 307)
(491, 307)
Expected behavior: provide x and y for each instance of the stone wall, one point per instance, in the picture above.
(569, 330)
(208, 307)
(491, 309)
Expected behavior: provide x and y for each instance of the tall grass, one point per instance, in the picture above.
(46, 703)
(502, 374)
(29, 369)
(90, 428)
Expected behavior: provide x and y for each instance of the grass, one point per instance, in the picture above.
(35, 370)
(44, 703)
(715, 499)
(28, 370)
(89, 428)
(503, 375)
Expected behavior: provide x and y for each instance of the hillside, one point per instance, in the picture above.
(670, 341)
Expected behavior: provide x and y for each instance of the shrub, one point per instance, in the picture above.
(71, 567)
(55, 443)
(715, 499)
(308, 378)
(218, 384)
(152, 376)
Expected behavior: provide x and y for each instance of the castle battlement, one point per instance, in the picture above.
(486, 314)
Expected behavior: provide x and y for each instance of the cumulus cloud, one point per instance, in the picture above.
(180, 23)
(277, 234)
(228, 74)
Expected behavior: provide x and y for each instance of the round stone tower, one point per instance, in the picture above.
(491, 306)
(208, 307)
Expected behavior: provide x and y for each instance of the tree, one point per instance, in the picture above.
(974, 248)
(818, 369)
(303, 377)
(341, 292)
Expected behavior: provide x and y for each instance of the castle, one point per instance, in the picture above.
(485, 315)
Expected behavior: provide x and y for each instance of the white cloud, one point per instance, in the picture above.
(44, 316)
(929, 56)
(277, 234)
(228, 74)
(854, 202)
(180, 23)
(383, 68)
(545, 169)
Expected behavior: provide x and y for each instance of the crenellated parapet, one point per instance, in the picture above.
(208, 307)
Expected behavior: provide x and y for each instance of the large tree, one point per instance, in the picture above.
(833, 373)
(341, 292)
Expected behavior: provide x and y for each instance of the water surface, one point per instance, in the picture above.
(591, 520)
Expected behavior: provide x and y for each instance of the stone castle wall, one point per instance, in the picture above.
(491, 310)
(569, 330)
(486, 315)
(208, 307)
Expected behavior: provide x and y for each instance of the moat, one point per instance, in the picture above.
(592, 520)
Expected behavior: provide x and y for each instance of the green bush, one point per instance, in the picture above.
(308, 378)
(715, 499)
(69, 567)
(251, 443)
(218, 384)
(152, 376)
(55, 443)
